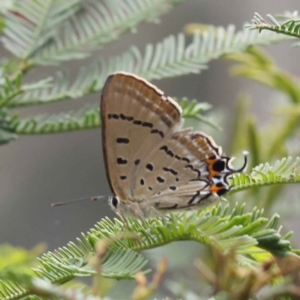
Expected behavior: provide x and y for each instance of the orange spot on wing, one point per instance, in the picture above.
(211, 171)
(215, 189)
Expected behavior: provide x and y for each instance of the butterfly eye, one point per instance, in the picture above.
(115, 202)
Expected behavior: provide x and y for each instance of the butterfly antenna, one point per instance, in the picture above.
(244, 166)
(96, 198)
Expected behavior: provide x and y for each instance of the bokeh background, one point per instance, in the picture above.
(36, 171)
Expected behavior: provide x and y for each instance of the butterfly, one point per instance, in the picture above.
(152, 164)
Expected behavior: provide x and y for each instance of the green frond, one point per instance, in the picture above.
(100, 23)
(290, 27)
(10, 290)
(33, 24)
(94, 24)
(9, 90)
(250, 234)
(225, 228)
(72, 262)
(88, 117)
(284, 171)
(170, 58)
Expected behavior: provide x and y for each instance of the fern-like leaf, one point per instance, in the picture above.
(249, 233)
(284, 171)
(290, 27)
(170, 58)
(31, 32)
(9, 89)
(33, 23)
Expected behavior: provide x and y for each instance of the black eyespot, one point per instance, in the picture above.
(142, 182)
(219, 184)
(115, 202)
(219, 166)
(177, 179)
(137, 162)
(222, 192)
(173, 188)
(123, 177)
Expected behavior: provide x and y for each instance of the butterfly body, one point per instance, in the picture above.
(153, 164)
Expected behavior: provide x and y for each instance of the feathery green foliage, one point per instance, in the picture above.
(284, 171)
(34, 38)
(48, 32)
(170, 58)
(251, 234)
(290, 25)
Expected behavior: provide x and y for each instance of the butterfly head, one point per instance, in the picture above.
(114, 203)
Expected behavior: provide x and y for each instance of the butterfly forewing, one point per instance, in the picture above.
(136, 119)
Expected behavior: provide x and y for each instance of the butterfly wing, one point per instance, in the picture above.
(136, 119)
(180, 175)
(148, 158)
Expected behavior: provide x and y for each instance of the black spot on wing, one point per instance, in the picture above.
(142, 182)
(147, 124)
(185, 159)
(170, 170)
(122, 141)
(160, 179)
(158, 132)
(173, 188)
(121, 161)
(123, 177)
(136, 162)
(149, 167)
(113, 116)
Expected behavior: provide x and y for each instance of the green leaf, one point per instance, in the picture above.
(284, 171)
(290, 28)
(33, 23)
(33, 34)
(170, 58)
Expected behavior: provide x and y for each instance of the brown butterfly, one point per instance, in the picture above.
(152, 164)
